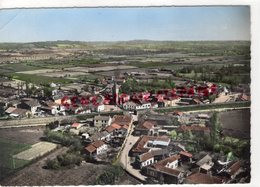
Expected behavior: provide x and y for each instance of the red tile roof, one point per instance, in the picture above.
(186, 154)
(161, 166)
(234, 168)
(98, 143)
(139, 145)
(147, 125)
(110, 128)
(90, 148)
(116, 126)
(201, 178)
(122, 119)
(75, 125)
(146, 156)
(170, 171)
(93, 146)
(165, 161)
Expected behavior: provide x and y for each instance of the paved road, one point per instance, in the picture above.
(125, 159)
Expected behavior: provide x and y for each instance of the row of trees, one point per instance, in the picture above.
(132, 85)
(65, 139)
(229, 74)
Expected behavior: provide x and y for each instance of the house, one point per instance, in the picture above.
(145, 159)
(96, 148)
(103, 135)
(85, 136)
(202, 178)
(122, 119)
(52, 108)
(82, 110)
(171, 101)
(145, 143)
(205, 164)
(143, 105)
(203, 116)
(234, 169)
(145, 128)
(76, 125)
(102, 121)
(151, 157)
(98, 108)
(29, 104)
(9, 110)
(185, 156)
(129, 105)
(18, 112)
(196, 129)
(166, 171)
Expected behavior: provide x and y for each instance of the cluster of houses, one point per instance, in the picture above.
(112, 134)
(167, 161)
(162, 163)
(67, 102)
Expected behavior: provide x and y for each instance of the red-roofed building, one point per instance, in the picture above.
(76, 125)
(166, 170)
(144, 144)
(202, 178)
(145, 128)
(194, 129)
(96, 148)
(185, 156)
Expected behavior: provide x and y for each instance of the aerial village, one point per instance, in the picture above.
(152, 143)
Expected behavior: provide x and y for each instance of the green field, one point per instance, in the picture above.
(7, 150)
(39, 79)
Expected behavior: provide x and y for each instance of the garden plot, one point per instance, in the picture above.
(37, 150)
(101, 68)
(54, 73)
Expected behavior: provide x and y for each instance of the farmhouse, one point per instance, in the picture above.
(29, 104)
(145, 128)
(102, 121)
(96, 148)
(145, 143)
(166, 171)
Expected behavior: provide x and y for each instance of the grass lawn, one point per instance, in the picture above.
(11, 68)
(7, 150)
(39, 79)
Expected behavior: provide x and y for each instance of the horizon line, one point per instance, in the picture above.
(113, 41)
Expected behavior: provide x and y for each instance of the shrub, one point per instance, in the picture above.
(52, 164)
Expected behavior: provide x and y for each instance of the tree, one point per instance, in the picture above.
(47, 91)
(2, 110)
(173, 134)
(52, 164)
(215, 128)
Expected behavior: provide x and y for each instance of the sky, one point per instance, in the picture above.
(121, 24)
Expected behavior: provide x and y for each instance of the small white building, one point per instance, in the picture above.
(130, 105)
(145, 159)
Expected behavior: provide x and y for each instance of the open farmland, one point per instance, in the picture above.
(7, 150)
(14, 141)
(236, 123)
(37, 150)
